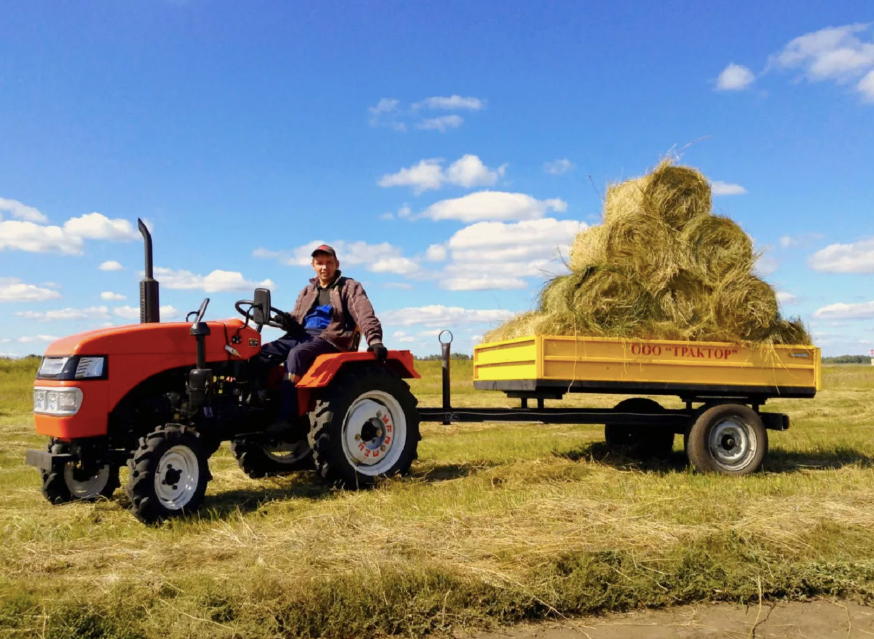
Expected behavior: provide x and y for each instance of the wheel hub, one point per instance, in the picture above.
(177, 477)
(732, 443)
(374, 432)
(83, 485)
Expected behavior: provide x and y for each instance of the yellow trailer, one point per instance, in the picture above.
(722, 385)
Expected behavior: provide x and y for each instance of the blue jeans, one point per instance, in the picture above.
(299, 354)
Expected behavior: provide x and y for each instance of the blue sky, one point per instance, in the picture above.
(449, 150)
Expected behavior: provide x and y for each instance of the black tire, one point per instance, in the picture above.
(258, 459)
(638, 440)
(68, 484)
(729, 439)
(358, 403)
(154, 484)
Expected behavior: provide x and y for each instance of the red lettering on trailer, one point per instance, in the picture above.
(692, 352)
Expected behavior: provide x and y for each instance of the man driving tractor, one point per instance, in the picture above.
(325, 318)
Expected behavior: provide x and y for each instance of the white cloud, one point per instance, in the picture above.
(482, 283)
(558, 167)
(399, 285)
(21, 211)
(386, 113)
(133, 312)
(469, 171)
(441, 124)
(69, 240)
(425, 176)
(113, 297)
(520, 248)
(786, 298)
(428, 175)
(493, 205)
(397, 265)
(840, 311)
(788, 241)
(734, 77)
(451, 103)
(836, 54)
(406, 340)
(724, 188)
(436, 253)
(95, 226)
(439, 316)
(111, 265)
(34, 238)
(216, 281)
(857, 257)
(37, 338)
(13, 289)
(91, 313)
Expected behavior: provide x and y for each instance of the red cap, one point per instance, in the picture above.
(324, 248)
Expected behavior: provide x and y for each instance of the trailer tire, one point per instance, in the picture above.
(61, 487)
(638, 440)
(259, 460)
(169, 472)
(365, 425)
(728, 439)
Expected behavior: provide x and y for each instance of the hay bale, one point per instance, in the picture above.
(643, 246)
(555, 295)
(685, 302)
(676, 194)
(746, 307)
(608, 301)
(624, 198)
(717, 246)
(588, 248)
(791, 331)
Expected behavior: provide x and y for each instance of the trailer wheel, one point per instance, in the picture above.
(636, 439)
(364, 426)
(168, 474)
(729, 439)
(258, 459)
(72, 484)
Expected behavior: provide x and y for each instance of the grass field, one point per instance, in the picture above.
(498, 523)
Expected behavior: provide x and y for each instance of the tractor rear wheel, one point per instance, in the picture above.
(636, 439)
(258, 459)
(365, 425)
(168, 474)
(74, 484)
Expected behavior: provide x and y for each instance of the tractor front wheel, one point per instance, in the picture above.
(364, 426)
(168, 474)
(74, 483)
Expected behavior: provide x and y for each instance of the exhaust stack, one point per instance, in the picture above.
(150, 310)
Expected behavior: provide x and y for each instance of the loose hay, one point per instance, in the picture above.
(660, 267)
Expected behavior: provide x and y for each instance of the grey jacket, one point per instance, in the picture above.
(351, 308)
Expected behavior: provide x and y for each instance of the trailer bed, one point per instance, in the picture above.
(549, 366)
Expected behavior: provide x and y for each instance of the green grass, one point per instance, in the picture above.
(498, 523)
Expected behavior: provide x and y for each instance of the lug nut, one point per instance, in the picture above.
(357, 438)
(382, 448)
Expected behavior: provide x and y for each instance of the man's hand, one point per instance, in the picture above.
(379, 350)
(291, 325)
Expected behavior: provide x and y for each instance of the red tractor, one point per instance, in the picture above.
(162, 397)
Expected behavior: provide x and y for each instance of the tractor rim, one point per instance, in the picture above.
(732, 444)
(177, 477)
(374, 433)
(88, 487)
(288, 452)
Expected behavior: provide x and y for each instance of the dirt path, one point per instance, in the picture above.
(813, 620)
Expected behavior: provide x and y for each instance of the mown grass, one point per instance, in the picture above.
(498, 523)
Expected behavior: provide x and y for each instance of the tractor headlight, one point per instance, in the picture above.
(73, 367)
(57, 401)
(90, 367)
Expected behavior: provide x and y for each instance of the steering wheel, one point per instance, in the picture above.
(273, 319)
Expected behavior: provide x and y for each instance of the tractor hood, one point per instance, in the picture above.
(165, 338)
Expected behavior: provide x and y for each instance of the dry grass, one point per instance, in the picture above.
(498, 523)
